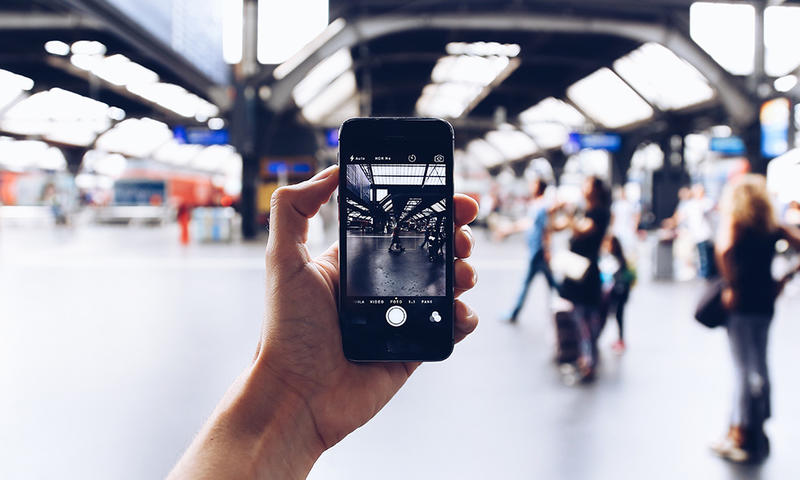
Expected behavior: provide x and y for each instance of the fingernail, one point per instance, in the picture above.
(468, 232)
(470, 311)
(474, 276)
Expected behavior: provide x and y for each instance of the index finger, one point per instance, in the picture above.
(466, 209)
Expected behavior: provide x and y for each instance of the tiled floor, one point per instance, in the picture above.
(116, 343)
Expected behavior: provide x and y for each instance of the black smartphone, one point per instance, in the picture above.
(396, 239)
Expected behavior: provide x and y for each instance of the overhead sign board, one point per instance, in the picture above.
(774, 118)
(597, 141)
(732, 145)
(201, 136)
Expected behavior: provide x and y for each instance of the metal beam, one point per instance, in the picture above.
(47, 21)
(735, 100)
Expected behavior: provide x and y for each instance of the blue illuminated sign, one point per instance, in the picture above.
(201, 136)
(332, 137)
(774, 117)
(727, 145)
(598, 141)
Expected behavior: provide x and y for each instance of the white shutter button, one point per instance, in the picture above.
(396, 316)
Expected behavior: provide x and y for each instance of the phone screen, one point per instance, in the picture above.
(396, 228)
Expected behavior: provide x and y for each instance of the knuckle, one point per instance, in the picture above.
(280, 196)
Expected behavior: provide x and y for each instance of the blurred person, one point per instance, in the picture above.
(674, 239)
(184, 217)
(396, 246)
(695, 213)
(300, 396)
(745, 246)
(588, 231)
(536, 224)
(51, 198)
(625, 218)
(489, 204)
(617, 287)
(792, 214)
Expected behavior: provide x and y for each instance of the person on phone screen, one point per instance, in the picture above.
(745, 247)
(396, 246)
(300, 396)
(585, 293)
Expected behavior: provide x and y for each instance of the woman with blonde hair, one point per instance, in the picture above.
(745, 247)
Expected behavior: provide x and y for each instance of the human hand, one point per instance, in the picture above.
(301, 396)
(728, 298)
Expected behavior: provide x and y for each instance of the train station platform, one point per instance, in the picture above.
(116, 344)
(374, 271)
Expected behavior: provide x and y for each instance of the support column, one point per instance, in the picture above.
(669, 178)
(760, 91)
(246, 122)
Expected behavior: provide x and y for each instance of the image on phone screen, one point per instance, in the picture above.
(396, 226)
(396, 230)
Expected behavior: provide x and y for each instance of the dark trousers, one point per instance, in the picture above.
(705, 253)
(536, 264)
(747, 334)
(616, 298)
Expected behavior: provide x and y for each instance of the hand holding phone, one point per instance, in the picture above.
(300, 395)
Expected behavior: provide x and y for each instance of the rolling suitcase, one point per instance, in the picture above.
(567, 344)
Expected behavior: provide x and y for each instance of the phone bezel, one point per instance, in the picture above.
(397, 129)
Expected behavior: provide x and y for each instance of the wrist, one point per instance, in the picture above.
(260, 429)
(276, 424)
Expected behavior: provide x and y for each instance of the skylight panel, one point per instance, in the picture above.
(468, 69)
(665, 80)
(461, 79)
(12, 86)
(607, 99)
(781, 37)
(485, 153)
(547, 134)
(512, 144)
(727, 32)
(553, 110)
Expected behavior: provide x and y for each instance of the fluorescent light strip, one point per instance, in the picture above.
(289, 65)
(483, 49)
(321, 76)
(335, 95)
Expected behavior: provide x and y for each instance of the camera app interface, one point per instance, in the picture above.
(396, 238)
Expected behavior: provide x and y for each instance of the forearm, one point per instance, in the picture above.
(259, 430)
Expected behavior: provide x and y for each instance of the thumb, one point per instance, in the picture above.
(291, 207)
